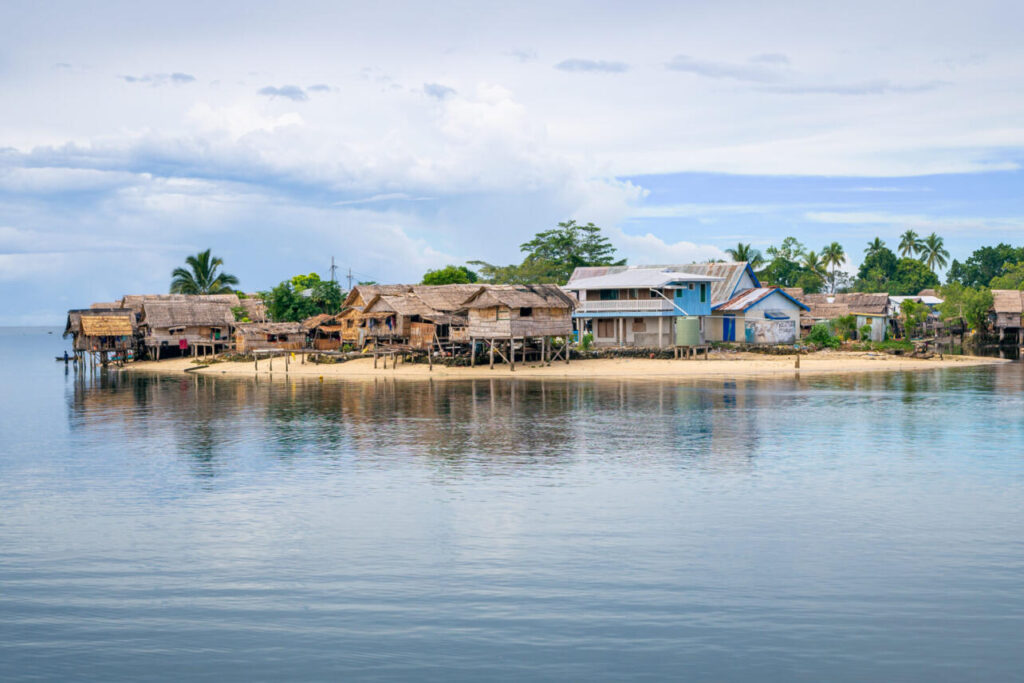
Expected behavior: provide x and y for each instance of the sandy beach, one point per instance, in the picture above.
(719, 365)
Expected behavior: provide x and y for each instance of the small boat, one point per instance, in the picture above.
(69, 359)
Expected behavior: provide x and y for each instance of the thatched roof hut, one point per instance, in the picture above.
(361, 295)
(1008, 307)
(511, 311)
(93, 329)
(254, 336)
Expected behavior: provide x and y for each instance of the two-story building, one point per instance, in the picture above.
(639, 306)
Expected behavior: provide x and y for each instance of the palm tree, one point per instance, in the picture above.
(201, 276)
(833, 255)
(910, 244)
(813, 263)
(933, 253)
(745, 252)
(874, 246)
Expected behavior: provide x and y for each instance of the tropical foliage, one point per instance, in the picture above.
(745, 252)
(984, 265)
(968, 305)
(450, 275)
(301, 297)
(552, 255)
(933, 253)
(910, 244)
(202, 276)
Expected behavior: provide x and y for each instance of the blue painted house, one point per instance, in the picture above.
(637, 305)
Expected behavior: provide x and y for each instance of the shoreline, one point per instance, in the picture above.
(733, 365)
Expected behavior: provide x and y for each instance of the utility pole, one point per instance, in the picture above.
(334, 269)
(350, 278)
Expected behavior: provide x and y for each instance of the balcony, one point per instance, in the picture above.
(625, 306)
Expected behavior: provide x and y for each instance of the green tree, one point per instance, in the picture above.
(968, 305)
(832, 257)
(812, 262)
(874, 246)
(450, 275)
(914, 314)
(791, 249)
(878, 267)
(552, 255)
(984, 264)
(910, 277)
(810, 282)
(845, 326)
(202, 276)
(933, 253)
(301, 297)
(744, 252)
(1012, 277)
(910, 244)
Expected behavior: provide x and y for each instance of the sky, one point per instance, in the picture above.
(398, 137)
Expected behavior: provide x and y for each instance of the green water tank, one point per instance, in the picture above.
(687, 331)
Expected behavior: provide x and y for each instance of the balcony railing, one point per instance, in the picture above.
(625, 306)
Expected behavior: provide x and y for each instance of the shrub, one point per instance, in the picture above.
(865, 331)
(845, 326)
(821, 335)
(586, 341)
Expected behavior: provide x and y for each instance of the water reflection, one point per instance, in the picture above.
(502, 425)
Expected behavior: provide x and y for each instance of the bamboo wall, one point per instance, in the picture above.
(501, 322)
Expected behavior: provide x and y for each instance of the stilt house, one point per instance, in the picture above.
(260, 336)
(190, 326)
(1007, 312)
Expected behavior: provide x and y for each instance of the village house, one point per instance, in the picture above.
(1007, 312)
(190, 326)
(102, 331)
(263, 336)
(869, 308)
(761, 315)
(527, 317)
(638, 306)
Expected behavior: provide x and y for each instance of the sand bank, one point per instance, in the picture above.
(719, 365)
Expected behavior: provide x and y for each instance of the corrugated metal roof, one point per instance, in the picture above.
(721, 290)
(638, 277)
(749, 297)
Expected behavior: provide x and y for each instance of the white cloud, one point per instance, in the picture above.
(919, 222)
(648, 248)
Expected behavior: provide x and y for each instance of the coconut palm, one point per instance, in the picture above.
(933, 253)
(813, 263)
(833, 256)
(201, 276)
(874, 246)
(910, 244)
(745, 252)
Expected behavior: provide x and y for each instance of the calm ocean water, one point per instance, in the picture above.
(845, 528)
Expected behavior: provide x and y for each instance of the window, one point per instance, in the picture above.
(526, 312)
(605, 328)
(503, 313)
(609, 294)
(634, 294)
(488, 314)
(690, 286)
(703, 293)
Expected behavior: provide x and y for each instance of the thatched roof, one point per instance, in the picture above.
(136, 301)
(405, 304)
(1007, 301)
(75, 317)
(367, 292)
(445, 298)
(825, 311)
(106, 326)
(194, 312)
(871, 303)
(520, 296)
(260, 329)
(317, 321)
(105, 305)
(254, 307)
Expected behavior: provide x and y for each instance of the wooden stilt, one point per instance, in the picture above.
(472, 352)
(492, 354)
(512, 353)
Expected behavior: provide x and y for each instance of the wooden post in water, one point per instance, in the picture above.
(492, 354)
(512, 353)
(472, 351)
